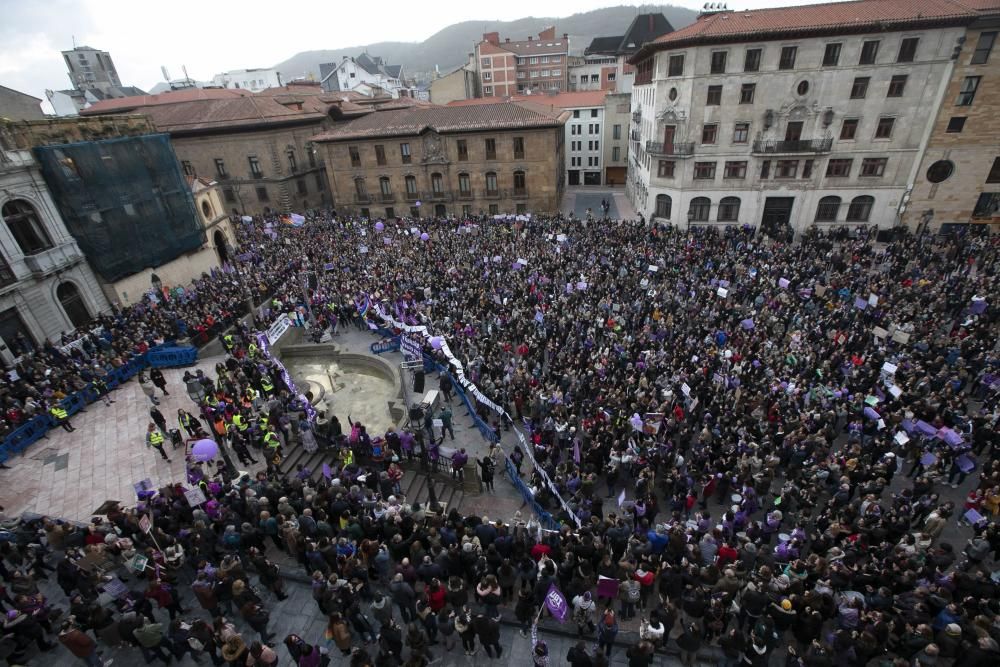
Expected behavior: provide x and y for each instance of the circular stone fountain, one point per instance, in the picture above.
(363, 387)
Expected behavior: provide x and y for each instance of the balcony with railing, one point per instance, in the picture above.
(53, 259)
(437, 195)
(386, 197)
(660, 148)
(411, 196)
(362, 198)
(793, 145)
(489, 194)
(465, 194)
(519, 193)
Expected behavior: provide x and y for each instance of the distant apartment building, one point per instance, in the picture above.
(94, 79)
(792, 116)
(254, 80)
(511, 67)
(617, 117)
(366, 75)
(605, 66)
(958, 180)
(16, 105)
(462, 83)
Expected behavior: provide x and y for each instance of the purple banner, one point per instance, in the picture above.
(555, 602)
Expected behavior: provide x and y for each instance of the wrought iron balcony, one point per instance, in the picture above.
(437, 195)
(386, 198)
(489, 194)
(519, 193)
(411, 196)
(660, 148)
(794, 146)
(364, 198)
(465, 194)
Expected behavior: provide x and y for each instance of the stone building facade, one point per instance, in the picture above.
(46, 286)
(493, 158)
(958, 181)
(800, 116)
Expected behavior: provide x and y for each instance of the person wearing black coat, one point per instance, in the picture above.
(488, 631)
(689, 643)
(578, 656)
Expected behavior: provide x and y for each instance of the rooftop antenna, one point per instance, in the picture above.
(73, 37)
(166, 74)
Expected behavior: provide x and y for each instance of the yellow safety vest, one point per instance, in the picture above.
(228, 340)
(348, 457)
(271, 440)
(252, 349)
(240, 423)
(265, 382)
(155, 438)
(58, 412)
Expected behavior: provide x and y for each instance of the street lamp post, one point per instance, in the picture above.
(690, 218)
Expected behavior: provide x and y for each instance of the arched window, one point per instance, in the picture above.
(73, 305)
(729, 209)
(699, 210)
(359, 188)
(384, 186)
(437, 183)
(464, 185)
(520, 183)
(206, 210)
(26, 228)
(860, 209)
(828, 209)
(492, 189)
(411, 187)
(663, 206)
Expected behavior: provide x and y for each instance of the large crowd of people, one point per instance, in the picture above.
(759, 441)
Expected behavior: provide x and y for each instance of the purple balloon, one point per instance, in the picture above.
(205, 450)
(379, 226)
(437, 342)
(425, 236)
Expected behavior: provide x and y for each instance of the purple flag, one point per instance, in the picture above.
(576, 452)
(928, 459)
(925, 428)
(555, 602)
(965, 464)
(978, 306)
(783, 283)
(871, 414)
(860, 303)
(747, 324)
(326, 471)
(973, 517)
(952, 437)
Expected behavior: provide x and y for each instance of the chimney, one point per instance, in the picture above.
(547, 33)
(506, 40)
(565, 35)
(530, 38)
(491, 37)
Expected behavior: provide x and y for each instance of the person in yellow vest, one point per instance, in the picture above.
(266, 384)
(61, 417)
(227, 342)
(240, 422)
(252, 350)
(154, 439)
(271, 441)
(348, 456)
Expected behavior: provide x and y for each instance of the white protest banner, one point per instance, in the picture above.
(194, 496)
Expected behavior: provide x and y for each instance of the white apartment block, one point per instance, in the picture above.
(819, 118)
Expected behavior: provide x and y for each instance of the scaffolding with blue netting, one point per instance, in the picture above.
(124, 200)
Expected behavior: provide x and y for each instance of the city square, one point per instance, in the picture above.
(676, 345)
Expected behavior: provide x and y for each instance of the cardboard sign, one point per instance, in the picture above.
(138, 562)
(194, 496)
(145, 524)
(901, 337)
(889, 368)
(723, 292)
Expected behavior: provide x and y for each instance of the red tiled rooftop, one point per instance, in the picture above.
(414, 120)
(223, 114)
(168, 97)
(844, 17)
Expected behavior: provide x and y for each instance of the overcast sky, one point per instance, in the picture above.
(214, 36)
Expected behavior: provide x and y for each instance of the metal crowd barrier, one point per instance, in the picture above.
(160, 356)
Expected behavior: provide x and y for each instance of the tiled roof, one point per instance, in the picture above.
(224, 114)
(644, 28)
(604, 45)
(834, 18)
(169, 97)
(571, 100)
(413, 121)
